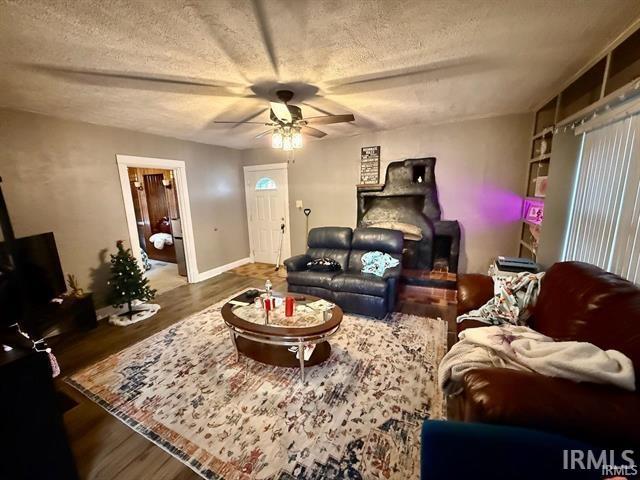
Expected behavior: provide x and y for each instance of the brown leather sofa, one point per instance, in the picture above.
(577, 301)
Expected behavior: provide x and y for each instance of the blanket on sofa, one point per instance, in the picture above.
(378, 262)
(511, 302)
(521, 348)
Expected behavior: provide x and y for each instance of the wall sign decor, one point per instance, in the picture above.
(533, 211)
(370, 165)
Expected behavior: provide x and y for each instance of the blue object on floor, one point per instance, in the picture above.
(459, 450)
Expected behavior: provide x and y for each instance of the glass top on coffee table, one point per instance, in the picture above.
(306, 314)
(276, 339)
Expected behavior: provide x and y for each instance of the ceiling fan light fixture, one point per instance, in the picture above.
(287, 143)
(296, 139)
(277, 139)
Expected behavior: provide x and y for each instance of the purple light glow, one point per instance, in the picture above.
(494, 206)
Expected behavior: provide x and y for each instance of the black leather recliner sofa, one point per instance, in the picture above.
(354, 291)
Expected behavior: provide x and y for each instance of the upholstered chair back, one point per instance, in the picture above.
(375, 239)
(331, 242)
(582, 302)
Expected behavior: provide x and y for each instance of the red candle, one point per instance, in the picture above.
(267, 304)
(288, 306)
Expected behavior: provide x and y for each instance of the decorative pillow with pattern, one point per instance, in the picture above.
(324, 264)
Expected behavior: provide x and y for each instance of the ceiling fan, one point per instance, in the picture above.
(288, 124)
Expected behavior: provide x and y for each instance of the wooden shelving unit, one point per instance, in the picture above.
(538, 163)
(611, 78)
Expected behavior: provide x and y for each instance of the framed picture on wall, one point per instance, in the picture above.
(370, 165)
(541, 186)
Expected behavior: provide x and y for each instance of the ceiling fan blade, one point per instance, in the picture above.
(252, 116)
(313, 132)
(319, 109)
(409, 76)
(241, 123)
(140, 81)
(265, 32)
(266, 132)
(281, 111)
(328, 106)
(325, 120)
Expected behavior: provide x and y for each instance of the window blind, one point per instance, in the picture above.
(604, 221)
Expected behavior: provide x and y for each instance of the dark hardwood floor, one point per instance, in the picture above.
(104, 447)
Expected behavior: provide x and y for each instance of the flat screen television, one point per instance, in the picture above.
(44, 279)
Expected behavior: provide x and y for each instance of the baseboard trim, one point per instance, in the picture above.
(221, 269)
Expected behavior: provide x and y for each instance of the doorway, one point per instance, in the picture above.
(155, 202)
(267, 196)
(159, 219)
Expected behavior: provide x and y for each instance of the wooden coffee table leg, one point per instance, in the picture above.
(301, 355)
(235, 346)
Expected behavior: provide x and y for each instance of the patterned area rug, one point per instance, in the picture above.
(358, 415)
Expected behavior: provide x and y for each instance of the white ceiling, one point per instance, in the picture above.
(391, 63)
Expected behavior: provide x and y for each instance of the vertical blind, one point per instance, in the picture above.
(604, 221)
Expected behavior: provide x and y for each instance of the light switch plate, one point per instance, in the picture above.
(299, 204)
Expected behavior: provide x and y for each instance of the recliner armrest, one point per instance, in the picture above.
(474, 290)
(591, 412)
(297, 263)
(393, 272)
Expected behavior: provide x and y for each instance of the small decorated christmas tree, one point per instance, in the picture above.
(127, 281)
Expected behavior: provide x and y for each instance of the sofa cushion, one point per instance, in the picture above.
(382, 239)
(319, 292)
(311, 279)
(368, 305)
(375, 239)
(365, 284)
(324, 264)
(340, 256)
(330, 237)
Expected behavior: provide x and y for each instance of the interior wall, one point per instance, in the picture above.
(562, 172)
(62, 176)
(480, 173)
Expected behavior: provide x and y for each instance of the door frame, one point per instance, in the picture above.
(286, 243)
(180, 178)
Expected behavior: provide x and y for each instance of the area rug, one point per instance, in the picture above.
(358, 415)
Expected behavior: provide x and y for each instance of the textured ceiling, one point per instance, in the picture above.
(172, 67)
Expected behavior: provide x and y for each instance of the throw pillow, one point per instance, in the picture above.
(410, 232)
(324, 264)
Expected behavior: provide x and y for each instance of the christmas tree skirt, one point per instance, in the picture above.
(139, 313)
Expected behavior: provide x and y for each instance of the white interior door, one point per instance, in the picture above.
(267, 211)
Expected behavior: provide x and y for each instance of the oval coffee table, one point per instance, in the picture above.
(267, 339)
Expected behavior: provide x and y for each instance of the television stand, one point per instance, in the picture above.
(73, 314)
